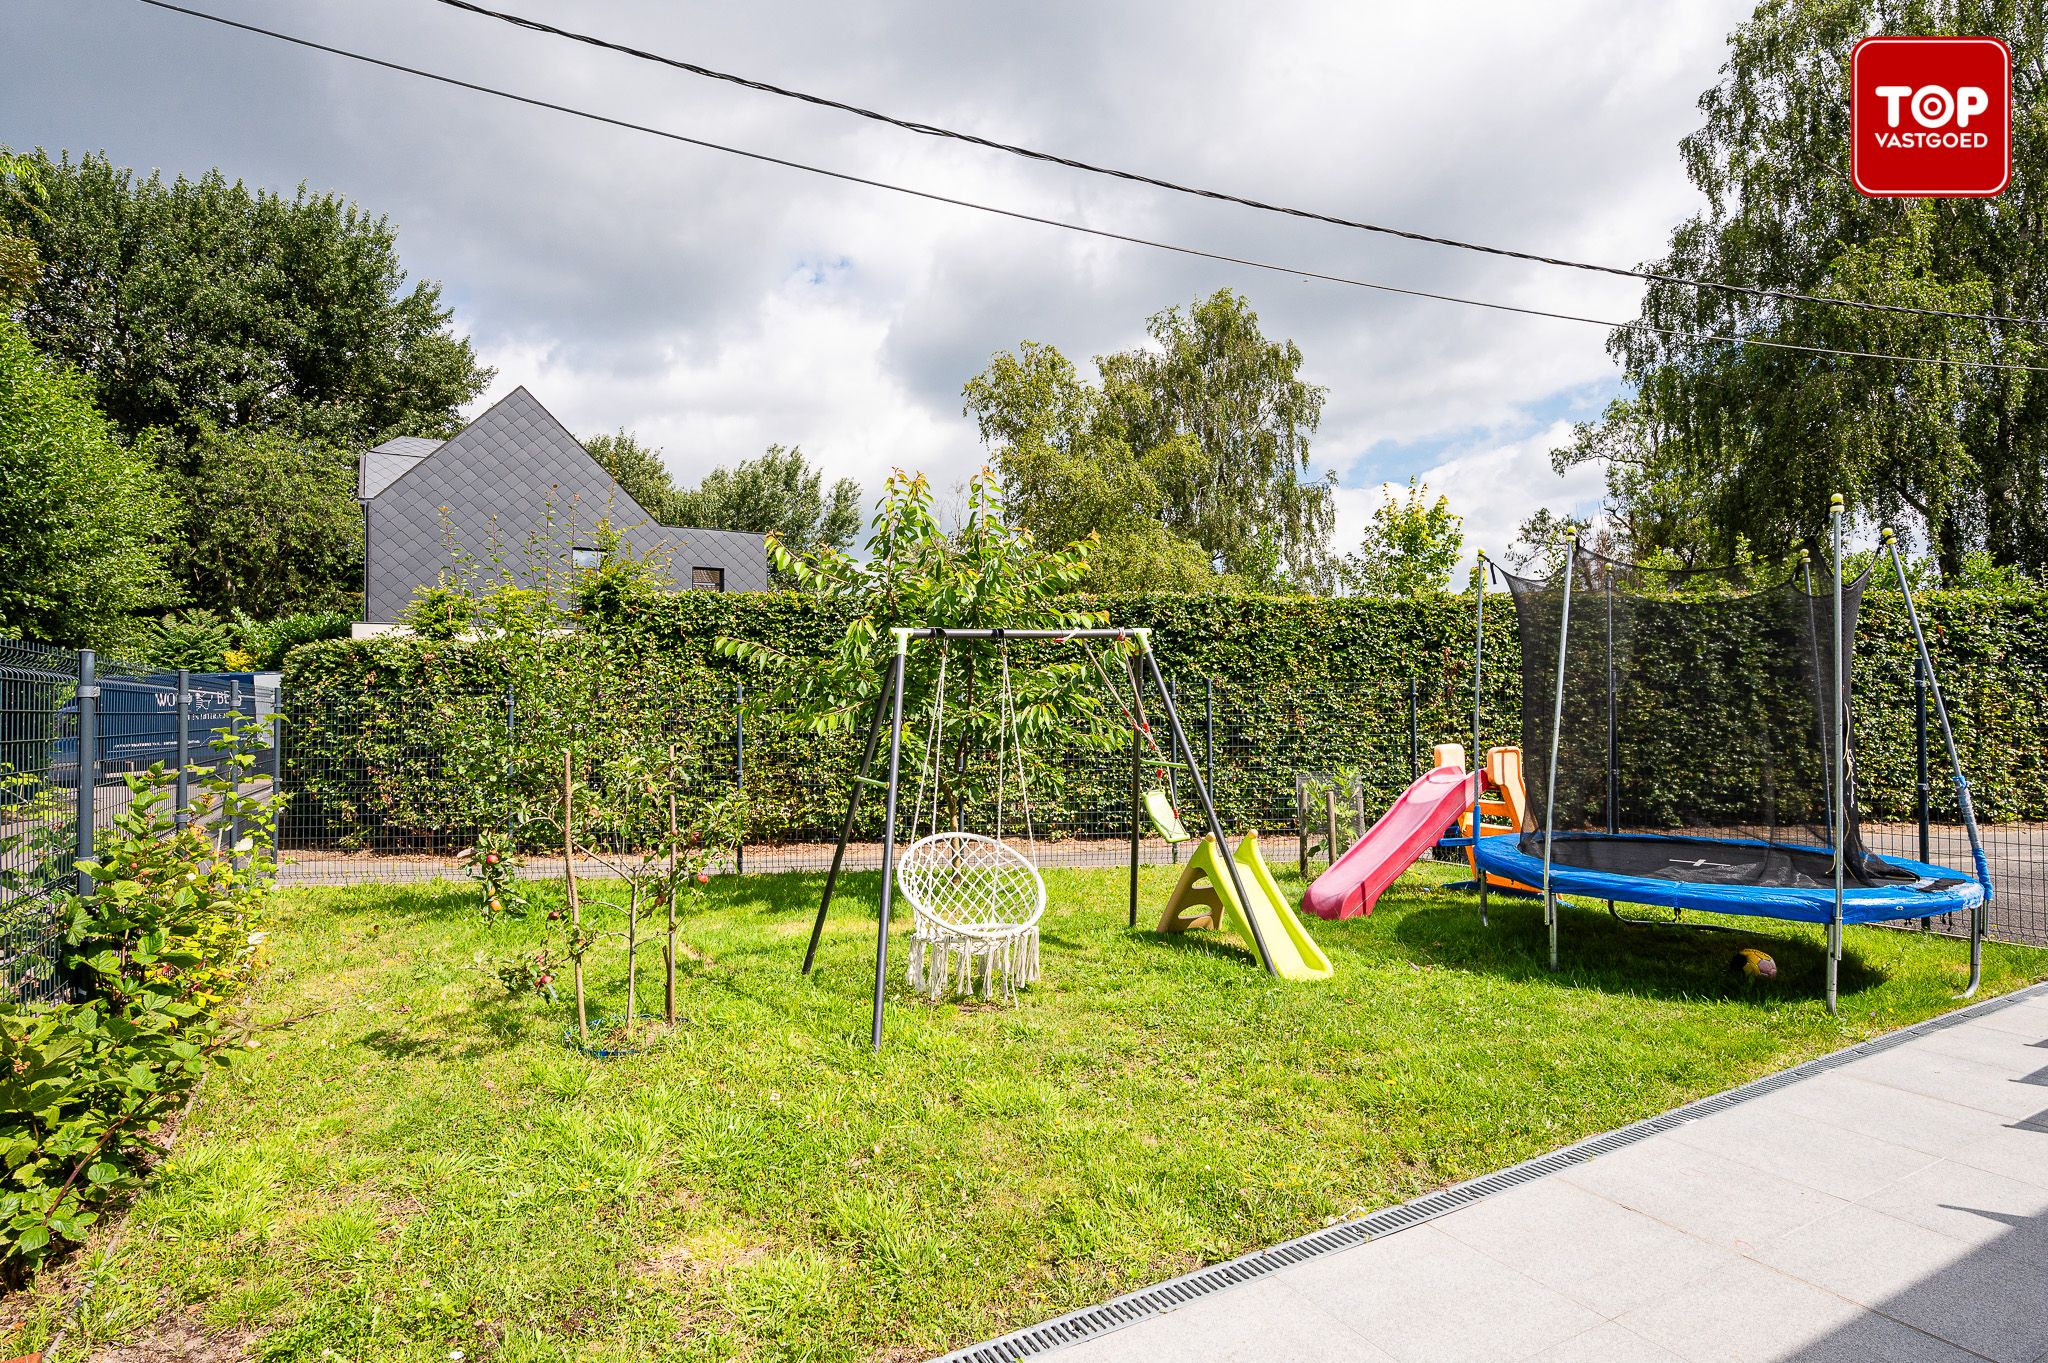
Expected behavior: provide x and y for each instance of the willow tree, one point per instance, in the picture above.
(1723, 441)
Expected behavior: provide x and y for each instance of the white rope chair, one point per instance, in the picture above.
(975, 900)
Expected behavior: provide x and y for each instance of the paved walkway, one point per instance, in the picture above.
(1894, 1208)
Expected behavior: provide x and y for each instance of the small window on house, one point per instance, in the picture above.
(586, 560)
(707, 579)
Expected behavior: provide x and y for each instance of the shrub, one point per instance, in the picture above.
(159, 950)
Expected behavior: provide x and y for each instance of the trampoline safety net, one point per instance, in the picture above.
(1697, 704)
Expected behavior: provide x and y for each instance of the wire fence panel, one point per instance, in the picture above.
(383, 788)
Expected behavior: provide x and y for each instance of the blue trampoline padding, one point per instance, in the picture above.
(1935, 890)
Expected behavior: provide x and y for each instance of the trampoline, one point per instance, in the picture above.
(1687, 744)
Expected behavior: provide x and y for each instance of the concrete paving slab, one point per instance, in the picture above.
(1845, 1164)
(1757, 1315)
(1891, 1208)
(1985, 1298)
(1426, 1298)
(2017, 1150)
(1951, 1079)
(1695, 1191)
(1608, 1342)
(1623, 1258)
(1851, 1103)
(1261, 1320)
(1969, 1204)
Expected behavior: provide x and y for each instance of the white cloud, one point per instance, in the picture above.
(1494, 484)
(716, 305)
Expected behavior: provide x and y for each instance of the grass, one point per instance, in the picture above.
(413, 1163)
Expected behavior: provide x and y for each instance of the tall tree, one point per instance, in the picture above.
(1410, 546)
(83, 517)
(636, 468)
(1747, 442)
(1216, 380)
(777, 494)
(1204, 436)
(21, 186)
(269, 524)
(199, 304)
(1068, 475)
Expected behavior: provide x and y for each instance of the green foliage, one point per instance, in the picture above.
(195, 639)
(1301, 683)
(988, 575)
(270, 524)
(1411, 546)
(19, 263)
(1720, 440)
(161, 946)
(200, 304)
(493, 863)
(638, 470)
(1205, 434)
(779, 494)
(267, 641)
(773, 1190)
(83, 517)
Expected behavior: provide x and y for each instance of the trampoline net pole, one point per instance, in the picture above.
(1478, 767)
(1838, 788)
(1982, 912)
(1564, 634)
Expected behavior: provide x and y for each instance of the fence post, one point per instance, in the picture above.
(88, 759)
(1173, 773)
(1414, 752)
(235, 774)
(184, 808)
(1209, 733)
(739, 773)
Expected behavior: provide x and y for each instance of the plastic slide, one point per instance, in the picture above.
(1204, 899)
(1356, 880)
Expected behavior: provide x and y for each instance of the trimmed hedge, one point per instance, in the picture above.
(1300, 683)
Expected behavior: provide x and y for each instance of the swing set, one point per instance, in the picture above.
(976, 900)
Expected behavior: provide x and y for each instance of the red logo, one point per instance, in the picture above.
(1930, 117)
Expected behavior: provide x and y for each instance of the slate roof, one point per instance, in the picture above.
(382, 464)
(512, 478)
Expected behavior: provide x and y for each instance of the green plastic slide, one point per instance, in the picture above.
(1293, 953)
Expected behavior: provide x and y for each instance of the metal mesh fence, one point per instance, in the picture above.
(1309, 769)
(72, 725)
(377, 790)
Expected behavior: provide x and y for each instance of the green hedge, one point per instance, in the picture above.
(1300, 683)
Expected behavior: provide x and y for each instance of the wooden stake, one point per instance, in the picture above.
(668, 955)
(575, 903)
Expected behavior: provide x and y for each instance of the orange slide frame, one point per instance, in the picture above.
(1503, 807)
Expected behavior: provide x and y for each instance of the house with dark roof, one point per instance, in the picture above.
(512, 484)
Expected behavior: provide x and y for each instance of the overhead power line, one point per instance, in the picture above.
(1218, 195)
(1018, 215)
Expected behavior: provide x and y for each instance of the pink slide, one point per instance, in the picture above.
(1356, 880)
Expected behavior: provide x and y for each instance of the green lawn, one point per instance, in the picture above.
(418, 1165)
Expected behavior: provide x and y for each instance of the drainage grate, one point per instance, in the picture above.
(1160, 1298)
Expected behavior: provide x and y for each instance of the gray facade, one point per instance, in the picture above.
(515, 488)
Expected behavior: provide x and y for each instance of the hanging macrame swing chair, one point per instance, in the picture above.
(975, 900)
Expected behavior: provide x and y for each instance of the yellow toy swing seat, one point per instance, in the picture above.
(1204, 898)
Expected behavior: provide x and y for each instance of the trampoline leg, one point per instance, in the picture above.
(1977, 917)
(1834, 959)
(1550, 920)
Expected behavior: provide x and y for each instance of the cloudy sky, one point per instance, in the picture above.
(715, 305)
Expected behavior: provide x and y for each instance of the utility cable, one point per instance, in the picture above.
(1218, 195)
(1018, 215)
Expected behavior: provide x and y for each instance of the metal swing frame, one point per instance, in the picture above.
(889, 710)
